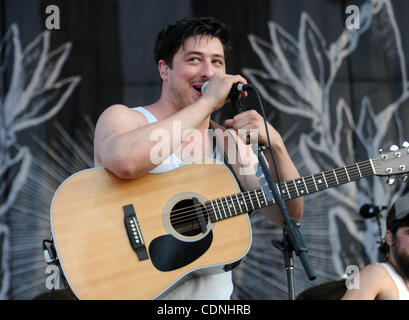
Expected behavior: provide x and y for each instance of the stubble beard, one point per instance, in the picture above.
(178, 100)
(401, 259)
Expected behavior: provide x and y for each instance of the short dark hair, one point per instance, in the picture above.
(171, 38)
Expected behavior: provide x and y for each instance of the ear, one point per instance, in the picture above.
(163, 69)
(388, 238)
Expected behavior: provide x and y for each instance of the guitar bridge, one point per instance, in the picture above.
(134, 232)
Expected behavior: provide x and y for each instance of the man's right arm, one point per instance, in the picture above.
(123, 138)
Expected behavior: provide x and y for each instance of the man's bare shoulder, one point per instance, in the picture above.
(114, 121)
(373, 280)
(121, 112)
(374, 272)
(120, 119)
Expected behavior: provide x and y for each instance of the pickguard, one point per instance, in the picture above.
(168, 253)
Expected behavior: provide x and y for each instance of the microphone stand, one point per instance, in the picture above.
(381, 232)
(292, 240)
(287, 251)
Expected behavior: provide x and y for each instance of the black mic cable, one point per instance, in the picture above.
(251, 87)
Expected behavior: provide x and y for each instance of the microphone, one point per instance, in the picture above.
(368, 211)
(235, 90)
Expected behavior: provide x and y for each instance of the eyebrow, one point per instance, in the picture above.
(202, 54)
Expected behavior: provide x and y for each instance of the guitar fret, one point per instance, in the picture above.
(269, 196)
(228, 207)
(346, 171)
(234, 206)
(296, 189)
(372, 167)
(313, 179)
(265, 199)
(325, 180)
(353, 173)
(319, 181)
(299, 188)
(224, 211)
(333, 180)
(258, 201)
(359, 170)
(335, 175)
(238, 201)
(306, 189)
(288, 192)
(214, 210)
(245, 203)
(251, 201)
(218, 209)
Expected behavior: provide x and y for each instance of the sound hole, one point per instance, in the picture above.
(184, 218)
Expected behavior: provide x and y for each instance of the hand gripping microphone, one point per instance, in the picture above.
(235, 90)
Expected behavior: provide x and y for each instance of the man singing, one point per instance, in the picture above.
(188, 54)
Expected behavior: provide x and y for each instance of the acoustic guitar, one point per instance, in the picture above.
(135, 239)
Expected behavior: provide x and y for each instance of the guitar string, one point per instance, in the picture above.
(253, 197)
(291, 186)
(310, 184)
(353, 174)
(186, 218)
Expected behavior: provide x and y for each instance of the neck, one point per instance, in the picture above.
(161, 110)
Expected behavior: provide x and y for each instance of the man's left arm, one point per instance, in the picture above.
(250, 122)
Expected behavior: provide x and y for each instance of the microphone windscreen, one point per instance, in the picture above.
(368, 211)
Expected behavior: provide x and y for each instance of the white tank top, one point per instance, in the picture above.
(212, 287)
(403, 291)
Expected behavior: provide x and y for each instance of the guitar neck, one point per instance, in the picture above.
(244, 202)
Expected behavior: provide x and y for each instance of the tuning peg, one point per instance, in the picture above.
(405, 144)
(403, 178)
(390, 181)
(380, 150)
(394, 148)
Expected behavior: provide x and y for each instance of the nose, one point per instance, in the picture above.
(206, 70)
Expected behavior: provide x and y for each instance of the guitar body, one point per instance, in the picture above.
(94, 248)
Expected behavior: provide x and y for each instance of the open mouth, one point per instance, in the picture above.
(198, 88)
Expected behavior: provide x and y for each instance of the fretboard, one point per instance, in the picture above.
(244, 202)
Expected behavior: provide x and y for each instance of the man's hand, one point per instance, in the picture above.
(251, 119)
(218, 89)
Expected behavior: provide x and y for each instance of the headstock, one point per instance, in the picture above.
(394, 162)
